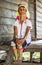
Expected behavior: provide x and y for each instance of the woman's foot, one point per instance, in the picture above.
(17, 61)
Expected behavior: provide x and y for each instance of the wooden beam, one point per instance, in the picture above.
(35, 18)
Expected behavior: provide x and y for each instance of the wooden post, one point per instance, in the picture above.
(31, 53)
(41, 57)
(35, 18)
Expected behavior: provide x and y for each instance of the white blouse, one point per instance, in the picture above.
(22, 29)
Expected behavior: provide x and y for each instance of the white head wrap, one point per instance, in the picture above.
(26, 7)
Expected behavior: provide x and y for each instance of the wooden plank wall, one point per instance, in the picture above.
(31, 10)
(8, 10)
(39, 18)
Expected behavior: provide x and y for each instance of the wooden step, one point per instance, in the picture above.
(28, 64)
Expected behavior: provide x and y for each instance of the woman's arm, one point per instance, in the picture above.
(26, 33)
(15, 32)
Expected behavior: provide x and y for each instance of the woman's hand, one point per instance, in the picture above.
(20, 41)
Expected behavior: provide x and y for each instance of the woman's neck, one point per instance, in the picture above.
(21, 21)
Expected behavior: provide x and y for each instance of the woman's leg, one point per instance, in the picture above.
(14, 49)
(15, 52)
(20, 51)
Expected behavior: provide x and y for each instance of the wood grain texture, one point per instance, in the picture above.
(39, 18)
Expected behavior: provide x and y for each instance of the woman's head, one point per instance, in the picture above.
(22, 10)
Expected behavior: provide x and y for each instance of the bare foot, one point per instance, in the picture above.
(15, 62)
(19, 61)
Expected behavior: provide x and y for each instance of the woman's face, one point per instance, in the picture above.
(22, 10)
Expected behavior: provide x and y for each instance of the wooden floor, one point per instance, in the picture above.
(24, 64)
(28, 64)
